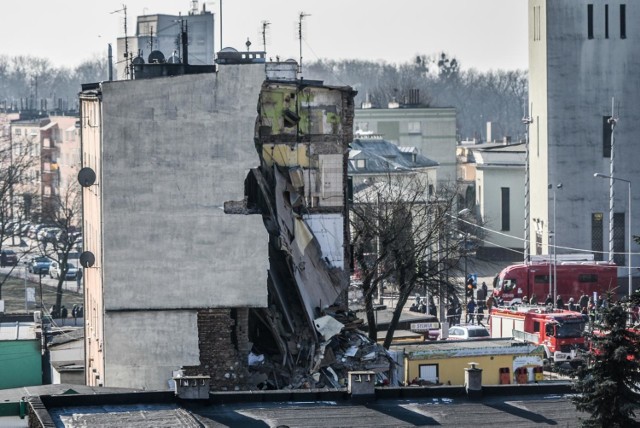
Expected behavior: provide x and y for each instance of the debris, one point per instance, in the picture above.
(328, 326)
(255, 360)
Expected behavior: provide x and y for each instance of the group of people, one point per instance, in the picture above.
(76, 312)
(421, 305)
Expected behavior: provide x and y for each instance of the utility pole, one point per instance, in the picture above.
(526, 120)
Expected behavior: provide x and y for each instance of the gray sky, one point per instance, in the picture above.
(482, 34)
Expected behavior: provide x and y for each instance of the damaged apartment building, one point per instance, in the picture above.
(180, 278)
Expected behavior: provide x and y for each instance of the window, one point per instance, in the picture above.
(413, 128)
(623, 21)
(588, 277)
(590, 21)
(542, 279)
(18, 131)
(606, 137)
(536, 326)
(618, 239)
(597, 236)
(606, 21)
(361, 163)
(506, 220)
(429, 372)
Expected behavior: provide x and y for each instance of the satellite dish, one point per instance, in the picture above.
(86, 177)
(138, 60)
(87, 259)
(174, 59)
(156, 57)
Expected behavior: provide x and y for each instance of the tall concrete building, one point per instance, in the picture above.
(582, 55)
(161, 33)
(173, 275)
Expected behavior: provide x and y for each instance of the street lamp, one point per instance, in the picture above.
(612, 178)
(555, 245)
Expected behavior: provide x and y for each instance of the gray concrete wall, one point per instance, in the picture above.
(572, 81)
(174, 150)
(142, 349)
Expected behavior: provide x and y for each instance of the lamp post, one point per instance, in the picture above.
(612, 178)
(555, 245)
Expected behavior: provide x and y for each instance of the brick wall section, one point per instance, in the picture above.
(219, 357)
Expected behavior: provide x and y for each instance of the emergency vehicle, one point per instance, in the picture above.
(574, 278)
(559, 331)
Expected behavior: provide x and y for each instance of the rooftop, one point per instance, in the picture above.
(512, 405)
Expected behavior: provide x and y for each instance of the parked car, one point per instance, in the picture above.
(40, 265)
(465, 332)
(8, 258)
(55, 270)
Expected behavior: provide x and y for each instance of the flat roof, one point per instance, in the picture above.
(17, 331)
(463, 348)
(512, 405)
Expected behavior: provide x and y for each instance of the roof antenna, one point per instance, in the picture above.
(127, 56)
(302, 16)
(265, 24)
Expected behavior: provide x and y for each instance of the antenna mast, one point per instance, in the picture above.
(127, 58)
(302, 16)
(265, 24)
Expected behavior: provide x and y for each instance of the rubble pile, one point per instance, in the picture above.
(342, 348)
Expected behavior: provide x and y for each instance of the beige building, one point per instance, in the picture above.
(432, 131)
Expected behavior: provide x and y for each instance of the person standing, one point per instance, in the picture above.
(534, 299)
(471, 310)
(559, 302)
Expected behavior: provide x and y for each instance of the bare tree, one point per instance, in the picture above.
(63, 213)
(400, 234)
(16, 192)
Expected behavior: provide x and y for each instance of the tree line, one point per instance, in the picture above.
(33, 83)
(496, 96)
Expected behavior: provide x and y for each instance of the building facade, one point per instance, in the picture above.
(162, 33)
(584, 59)
(172, 274)
(499, 191)
(431, 130)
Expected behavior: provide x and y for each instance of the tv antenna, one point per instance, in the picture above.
(127, 56)
(265, 24)
(301, 17)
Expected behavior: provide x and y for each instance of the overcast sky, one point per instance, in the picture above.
(482, 34)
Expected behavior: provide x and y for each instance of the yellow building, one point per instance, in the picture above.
(445, 362)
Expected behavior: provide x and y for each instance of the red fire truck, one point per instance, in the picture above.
(559, 331)
(574, 278)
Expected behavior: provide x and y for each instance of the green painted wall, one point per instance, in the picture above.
(20, 363)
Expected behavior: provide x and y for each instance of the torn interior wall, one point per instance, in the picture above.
(303, 131)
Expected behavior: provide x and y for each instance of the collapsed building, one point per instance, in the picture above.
(302, 137)
(176, 284)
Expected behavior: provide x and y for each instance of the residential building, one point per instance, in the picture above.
(33, 150)
(584, 59)
(162, 34)
(498, 196)
(66, 141)
(171, 275)
(432, 131)
(445, 362)
(372, 159)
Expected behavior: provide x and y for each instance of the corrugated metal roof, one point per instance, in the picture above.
(17, 331)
